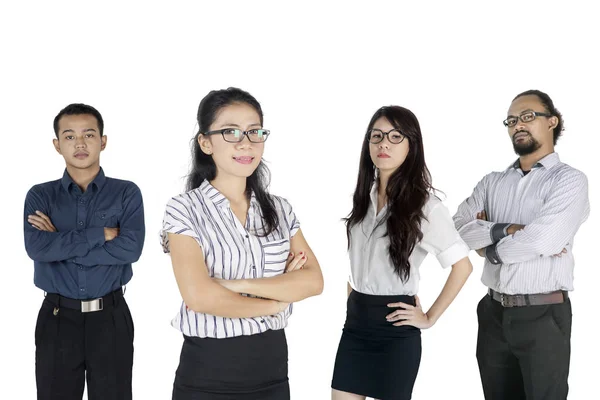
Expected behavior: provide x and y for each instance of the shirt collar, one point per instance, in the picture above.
(547, 162)
(219, 199)
(98, 182)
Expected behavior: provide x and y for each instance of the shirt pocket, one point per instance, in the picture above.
(108, 218)
(276, 255)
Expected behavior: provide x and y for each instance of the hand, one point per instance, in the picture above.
(512, 228)
(410, 315)
(41, 222)
(482, 215)
(295, 263)
(230, 284)
(281, 306)
(110, 233)
(564, 251)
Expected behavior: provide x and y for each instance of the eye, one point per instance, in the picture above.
(512, 121)
(528, 117)
(89, 135)
(232, 132)
(69, 137)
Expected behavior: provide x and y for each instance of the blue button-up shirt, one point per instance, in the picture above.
(76, 261)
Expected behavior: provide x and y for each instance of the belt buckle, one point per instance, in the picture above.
(502, 299)
(92, 305)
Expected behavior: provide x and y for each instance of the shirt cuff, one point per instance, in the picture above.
(498, 232)
(95, 236)
(492, 254)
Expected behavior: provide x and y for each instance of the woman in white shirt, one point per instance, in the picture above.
(395, 221)
(230, 243)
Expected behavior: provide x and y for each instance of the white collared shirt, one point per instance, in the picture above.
(231, 251)
(371, 268)
(551, 201)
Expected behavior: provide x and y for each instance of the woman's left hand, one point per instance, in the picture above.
(231, 284)
(409, 315)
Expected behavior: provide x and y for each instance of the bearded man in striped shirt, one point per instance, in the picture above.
(523, 221)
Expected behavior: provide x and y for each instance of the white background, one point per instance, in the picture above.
(319, 70)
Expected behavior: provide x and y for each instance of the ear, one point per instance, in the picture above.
(553, 122)
(56, 146)
(103, 142)
(205, 144)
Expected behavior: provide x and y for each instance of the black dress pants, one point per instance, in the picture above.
(524, 352)
(72, 347)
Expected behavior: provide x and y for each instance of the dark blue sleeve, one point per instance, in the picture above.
(54, 246)
(126, 248)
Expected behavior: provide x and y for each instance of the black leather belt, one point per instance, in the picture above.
(86, 306)
(521, 300)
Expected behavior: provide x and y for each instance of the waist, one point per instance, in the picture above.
(85, 306)
(523, 300)
(366, 316)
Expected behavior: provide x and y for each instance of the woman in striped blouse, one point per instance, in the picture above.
(396, 220)
(239, 258)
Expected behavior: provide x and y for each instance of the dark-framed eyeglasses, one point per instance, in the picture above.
(233, 135)
(525, 117)
(375, 136)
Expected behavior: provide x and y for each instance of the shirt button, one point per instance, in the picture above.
(262, 321)
(82, 290)
(80, 223)
(247, 236)
(82, 201)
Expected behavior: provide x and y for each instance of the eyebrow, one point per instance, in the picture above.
(524, 111)
(72, 131)
(237, 126)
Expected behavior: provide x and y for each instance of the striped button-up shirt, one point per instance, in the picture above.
(551, 201)
(231, 251)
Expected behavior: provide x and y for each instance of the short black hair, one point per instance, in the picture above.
(79, 109)
(549, 106)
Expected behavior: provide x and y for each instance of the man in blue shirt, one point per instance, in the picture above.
(83, 232)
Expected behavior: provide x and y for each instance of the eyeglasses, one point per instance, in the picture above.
(232, 135)
(525, 117)
(375, 136)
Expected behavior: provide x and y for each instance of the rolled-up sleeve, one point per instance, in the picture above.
(441, 238)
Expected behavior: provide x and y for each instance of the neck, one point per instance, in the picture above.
(83, 177)
(384, 177)
(529, 160)
(233, 188)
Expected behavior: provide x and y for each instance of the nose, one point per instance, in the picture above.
(80, 142)
(244, 143)
(385, 143)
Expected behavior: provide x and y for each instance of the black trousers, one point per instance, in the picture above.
(524, 352)
(71, 346)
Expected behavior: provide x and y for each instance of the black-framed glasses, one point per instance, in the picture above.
(375, 136)
(233, 135)
(525, 117)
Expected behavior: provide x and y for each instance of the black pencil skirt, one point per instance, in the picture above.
(241, 368)
(375, 358)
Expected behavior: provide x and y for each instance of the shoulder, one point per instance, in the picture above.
(44, 188)
(281, 203)
(122, 185)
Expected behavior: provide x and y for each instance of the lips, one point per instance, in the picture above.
(383, 155)
(81, 155)
(520, 135)
(244, 159)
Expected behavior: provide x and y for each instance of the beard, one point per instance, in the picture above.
(527, 146)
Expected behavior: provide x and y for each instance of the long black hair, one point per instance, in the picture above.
(407, 190)
(203, 166)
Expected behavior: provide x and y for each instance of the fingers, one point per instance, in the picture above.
(400, 314)
(296, 262)
(41, 223)
(401, 305)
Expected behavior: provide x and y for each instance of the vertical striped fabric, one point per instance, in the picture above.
(231, 251)
(551, 201)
